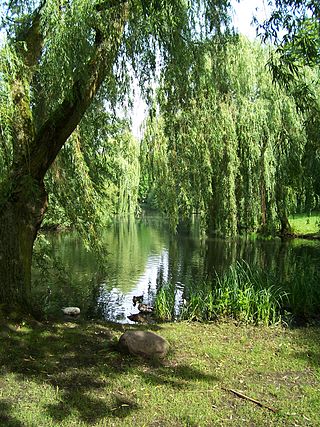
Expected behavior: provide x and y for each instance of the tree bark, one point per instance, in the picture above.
(20, 218)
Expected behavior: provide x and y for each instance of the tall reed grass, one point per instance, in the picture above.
(302, 284)
(252, 296)
(248, 295)
(240, 293)
(164, 305)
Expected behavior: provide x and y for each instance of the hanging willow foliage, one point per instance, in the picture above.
(96, 174)
(230, 146)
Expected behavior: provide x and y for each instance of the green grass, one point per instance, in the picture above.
(305, 224)
(71, 375)
(248, 295)
(239, 293)
(165, 302)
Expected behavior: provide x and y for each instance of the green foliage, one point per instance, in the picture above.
(96, 174)
(165, 302)
(294, 27)
(249, 296)
(301, 283)
(97, 171)
(199, 303)
(239, 293)
(9, 66)
(231, 146)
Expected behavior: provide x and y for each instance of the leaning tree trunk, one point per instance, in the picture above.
(20, 218)
(23, 198)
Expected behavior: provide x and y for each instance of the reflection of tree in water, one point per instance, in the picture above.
(130, 244)
(195, 260)
(143, 256)
(109, 304)
(162, 273)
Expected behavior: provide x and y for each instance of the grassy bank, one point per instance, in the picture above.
(69, 374)
(305, 224)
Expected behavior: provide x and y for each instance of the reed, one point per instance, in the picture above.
(250, 296)
(164, 305)
(240, 293)
(198, 303)
(301, 283)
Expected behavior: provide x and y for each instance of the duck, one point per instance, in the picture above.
(138, 317)
(145, 309)
(136, 299)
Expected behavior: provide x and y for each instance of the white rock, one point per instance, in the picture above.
(144, 343)
(71, 311)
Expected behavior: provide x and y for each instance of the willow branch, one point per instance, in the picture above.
(243, 396)
(56, 130)
(33, 38)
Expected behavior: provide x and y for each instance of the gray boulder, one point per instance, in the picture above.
(144, 343)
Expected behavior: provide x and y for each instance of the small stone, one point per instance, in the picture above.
(144, 343)
(71, 311)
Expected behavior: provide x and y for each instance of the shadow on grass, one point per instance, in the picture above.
(81, 364)
(309, 339)
(5, 418)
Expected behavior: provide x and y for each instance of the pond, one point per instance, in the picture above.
(141, 254)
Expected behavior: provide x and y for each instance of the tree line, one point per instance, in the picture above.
(237, 149)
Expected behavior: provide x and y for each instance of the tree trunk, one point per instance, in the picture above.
(23, 199)
(263, 205)
(285, 228)
(20, 218)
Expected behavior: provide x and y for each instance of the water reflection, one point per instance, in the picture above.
(142, 254)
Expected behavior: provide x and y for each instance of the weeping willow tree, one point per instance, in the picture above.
(231, 148)
(58, 55)
(294, 64)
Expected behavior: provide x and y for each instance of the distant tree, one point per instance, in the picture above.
(229, 145)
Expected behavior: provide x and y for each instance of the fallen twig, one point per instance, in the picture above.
(243, 396)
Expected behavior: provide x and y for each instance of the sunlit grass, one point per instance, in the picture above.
(305, 224)
(71, 375)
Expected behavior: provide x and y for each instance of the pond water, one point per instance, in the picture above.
(141, 255)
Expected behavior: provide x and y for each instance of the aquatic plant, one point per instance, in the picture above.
(302, 286)
(250, 296)
(164, 305)
(239, 293)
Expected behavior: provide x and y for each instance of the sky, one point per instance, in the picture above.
(244, 12)
(242, 18)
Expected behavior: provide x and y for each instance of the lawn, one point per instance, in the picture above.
(70, 374)
(304, 224)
